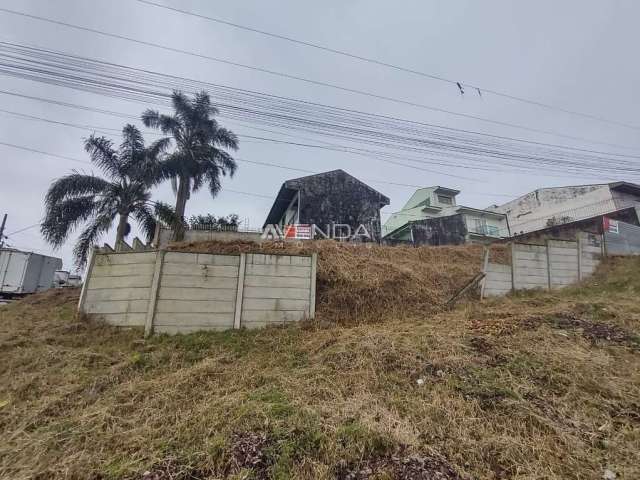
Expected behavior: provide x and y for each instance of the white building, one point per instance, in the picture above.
(552, 206)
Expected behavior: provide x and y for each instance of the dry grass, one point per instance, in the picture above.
(366, 283)
(537, 386)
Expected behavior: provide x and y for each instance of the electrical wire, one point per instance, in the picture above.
(389, 65)
(463, 146)
(277, 73)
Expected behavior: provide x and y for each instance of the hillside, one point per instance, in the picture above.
(365, 283)
(542, 385)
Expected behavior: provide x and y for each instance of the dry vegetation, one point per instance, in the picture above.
(536, 386)
(364, 283)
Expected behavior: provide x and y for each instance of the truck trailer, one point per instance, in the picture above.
(26, 272)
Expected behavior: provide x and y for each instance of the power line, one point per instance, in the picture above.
(390, 65)
(80, 64)
(21, 147)
(23, 229)
(33, 150)
(83, 127)
(209, 85)
(356, 128)
(281, 74)
(107, 129)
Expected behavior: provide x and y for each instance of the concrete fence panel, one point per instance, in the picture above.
(498, 280)
(182, 292)
(118, 287)
(207, 303)
(277, 289)
(556, 264)
(530, 266)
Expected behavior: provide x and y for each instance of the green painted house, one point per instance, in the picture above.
(432, 217)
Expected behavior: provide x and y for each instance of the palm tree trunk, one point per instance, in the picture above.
(181, 203)
(122, 225)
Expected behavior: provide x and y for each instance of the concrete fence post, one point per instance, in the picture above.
(312, 289)
(153, 293)
(579, 248)
(548, 254)
(513, 266)
(237, 318)
(85, 285)
(485, 266)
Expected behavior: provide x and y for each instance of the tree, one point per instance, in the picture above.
(211, 222)
(78, 198)
(199, 157)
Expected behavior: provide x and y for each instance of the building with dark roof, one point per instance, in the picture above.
(328, 199)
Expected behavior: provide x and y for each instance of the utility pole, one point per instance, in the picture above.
(4, 222)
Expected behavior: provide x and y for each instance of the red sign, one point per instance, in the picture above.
(298, 231)
(610, 225)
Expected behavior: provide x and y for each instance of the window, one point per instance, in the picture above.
(480, 225)
(445, 200)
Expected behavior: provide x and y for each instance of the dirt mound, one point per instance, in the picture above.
(364, 282)
(53, 297)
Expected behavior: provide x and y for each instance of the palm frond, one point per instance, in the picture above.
(225, 162)
(73, 185)
(226, 138)
(145, 219)
(158, 147)
(102, 153)
(164, 213)
(213, 180)
(89, 237)
(132, 140)
(62, 218)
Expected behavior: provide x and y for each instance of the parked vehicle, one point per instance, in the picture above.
(63, 278)
(60, 278)
(26, 272)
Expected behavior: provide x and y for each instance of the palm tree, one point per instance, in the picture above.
(199, 157)
(77, 198)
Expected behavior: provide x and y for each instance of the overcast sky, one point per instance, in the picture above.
(579, 55)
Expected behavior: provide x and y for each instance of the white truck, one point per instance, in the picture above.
(64, 279)
(26, 272)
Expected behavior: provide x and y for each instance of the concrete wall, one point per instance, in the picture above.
(163, 236)
(181, 292)
(118, 288)
(277, 289)
(556, 264)
(497, 281)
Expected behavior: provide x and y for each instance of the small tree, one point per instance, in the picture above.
(76, 199)
(210, 222)
(199, 157)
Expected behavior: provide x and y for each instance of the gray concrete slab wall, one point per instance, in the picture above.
(181, 292)
(497, 280)
(530, 269)
(118, 288)
(555, 265)
(277, 289)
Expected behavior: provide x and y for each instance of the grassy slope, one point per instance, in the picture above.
(543, 385)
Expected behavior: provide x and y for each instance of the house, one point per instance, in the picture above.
(432, 217)
(338, 204)
(551, 208)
